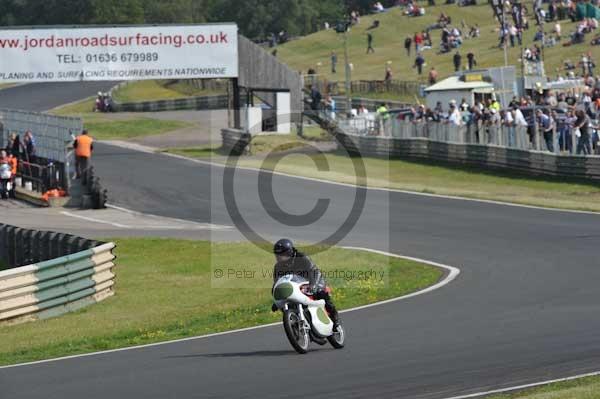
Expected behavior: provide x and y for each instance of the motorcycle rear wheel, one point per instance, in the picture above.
(295, 331)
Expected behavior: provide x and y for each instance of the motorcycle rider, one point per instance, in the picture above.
(290, 260)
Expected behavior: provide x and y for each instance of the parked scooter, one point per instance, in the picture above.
(7, 188)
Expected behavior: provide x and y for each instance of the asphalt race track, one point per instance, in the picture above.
(524, 308)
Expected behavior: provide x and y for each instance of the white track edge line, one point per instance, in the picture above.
(191, 222)
(94, 220)
(451, 276)
(526, 386)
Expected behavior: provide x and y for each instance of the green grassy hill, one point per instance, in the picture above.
(388, 41)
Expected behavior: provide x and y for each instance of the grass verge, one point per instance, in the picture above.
(431, 178)
(79, 108)
(148, 90)
(165, 291)
(132, 128)
(117, 126)
(583, 388)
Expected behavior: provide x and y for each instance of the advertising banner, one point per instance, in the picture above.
(119, 53)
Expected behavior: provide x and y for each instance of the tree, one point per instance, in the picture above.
(173, 11)
(55, 12)
(256, 18)
(117, 12)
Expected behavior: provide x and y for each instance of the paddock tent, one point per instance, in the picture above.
(592, 11)
(587, 10)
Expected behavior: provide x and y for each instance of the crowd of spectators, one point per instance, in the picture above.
(19, 154)
(22, 149)
(568, 119)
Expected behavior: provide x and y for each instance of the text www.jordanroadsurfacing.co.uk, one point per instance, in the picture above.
(107, 40)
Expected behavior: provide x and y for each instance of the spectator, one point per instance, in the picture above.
(315, 96)
(518, 117)
(463, 103)
(471, 60)
(383, 115)
(370, 48)
(565, 139)
(474, 31)
(454, 117)
(427, 40)
(495, 119)
(584, 64)
(507, 121)
(13, 146)
(465, 114)
(378, 7)
(514, 102)
(388, 74)
(419, 62)
(330, 106)
(457, 59)
(382, 111)
(374, 25)
(418, 39)
(433, 75)
(29, 147)
(512, 34)
(494, 104)
(547, 126)
(581, 131)
(407, 45)
(333, 62)
(84, 146)
(557, 30)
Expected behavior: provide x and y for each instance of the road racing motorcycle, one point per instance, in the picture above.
(305, 319)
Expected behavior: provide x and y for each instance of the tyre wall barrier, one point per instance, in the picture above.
(536, 163)
(62, 273)
(235, 141)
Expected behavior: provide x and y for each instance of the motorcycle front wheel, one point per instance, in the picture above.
(295, 331)
(338, 337)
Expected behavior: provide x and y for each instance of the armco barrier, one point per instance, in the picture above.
(487, 156)
(67, 273)
(189, 103)
(175, 104)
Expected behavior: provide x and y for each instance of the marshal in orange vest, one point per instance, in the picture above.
(84, 146)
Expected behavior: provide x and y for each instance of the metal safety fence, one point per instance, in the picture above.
(52, 134)
(517, 137)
